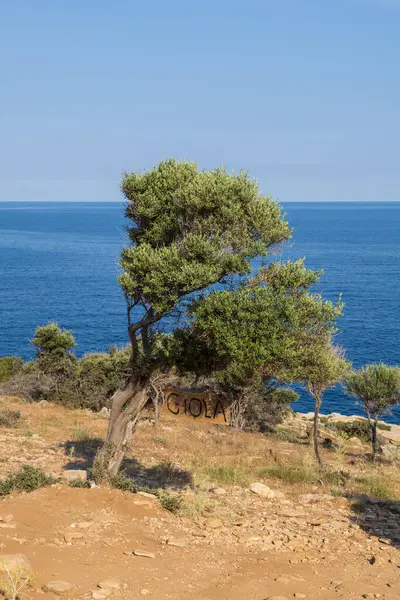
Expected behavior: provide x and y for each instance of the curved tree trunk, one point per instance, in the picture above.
(127, 405)
(316, 428)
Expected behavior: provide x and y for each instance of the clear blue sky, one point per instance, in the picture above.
(303, 93)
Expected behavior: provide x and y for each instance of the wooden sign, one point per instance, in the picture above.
(196, 405)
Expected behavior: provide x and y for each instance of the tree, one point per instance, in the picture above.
(189, 230)
(377, 386)
(324, 367)
(270, 328)
(53, 347)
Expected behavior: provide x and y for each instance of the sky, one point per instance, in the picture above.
(304, 94)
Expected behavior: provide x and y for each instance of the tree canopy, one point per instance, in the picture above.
(193, 300)
(377, 387)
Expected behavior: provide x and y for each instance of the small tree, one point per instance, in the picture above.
(270, 328)
(53, 347)
(377, 387)
(324, 367)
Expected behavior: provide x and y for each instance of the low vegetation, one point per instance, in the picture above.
(28, 479)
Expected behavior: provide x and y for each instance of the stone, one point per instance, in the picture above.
(104, 413)
(145, 592)
(101, 594)
(7, 526)
(215, 524)
(386, 541)
(355, 441)
(111, 584)
(14, 563)
(276, 598)
(147, 495)
(176, 543)
(59, 587)
(7, 518)
(299, 595)
(84, 525)
(144, 554)
(218, 491)
(74, 535)
(262, 490)
(75, 475)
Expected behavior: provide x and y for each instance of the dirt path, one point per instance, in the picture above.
(85, 536)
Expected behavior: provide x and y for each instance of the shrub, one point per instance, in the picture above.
(170, 501)
(266, 410)
(359, 428)
(9, 418)
(10, 366)
(79, 483)
(122, 482)
(27, 479)
(99, 375)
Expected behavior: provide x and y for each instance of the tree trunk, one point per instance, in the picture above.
(316, 428)
(374, 439)
(127, 405)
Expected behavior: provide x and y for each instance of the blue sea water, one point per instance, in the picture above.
(59, 261)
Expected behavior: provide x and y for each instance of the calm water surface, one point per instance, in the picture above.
(58, 261)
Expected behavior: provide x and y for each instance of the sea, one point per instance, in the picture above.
(59, 262)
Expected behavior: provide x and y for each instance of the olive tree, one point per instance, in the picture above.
(189, 230)
(324, 369)
(271, 328)
(377, 387)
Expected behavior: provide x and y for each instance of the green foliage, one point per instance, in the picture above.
(99, 375)
(170, 500)
(191, 229)
(79, 483)
(9, 418)
(122, 482)
(52, 342)
(357, 428)
(377, 386)
(10, 366)
(27, 479)
(227, 475)
(268, 408)
(265, 328)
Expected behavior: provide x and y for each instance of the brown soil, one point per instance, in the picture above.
(238, 546)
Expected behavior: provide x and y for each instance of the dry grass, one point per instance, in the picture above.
(215, 456)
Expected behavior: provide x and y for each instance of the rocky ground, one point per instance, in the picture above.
(248, 537)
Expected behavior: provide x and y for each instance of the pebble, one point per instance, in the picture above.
(144, 554)
(145, 592)
(262, 490)
(75, 475)
(111, 584)
(218, 491)
(58, 587)
(176, 543)
(101, 594)
(215, 524)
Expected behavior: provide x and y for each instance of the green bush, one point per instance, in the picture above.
(79, 483)
(10, 366)
(358, 428)
(27, 479)
(9, 418)
(122, 482)
(267, 409)
(170, 500)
